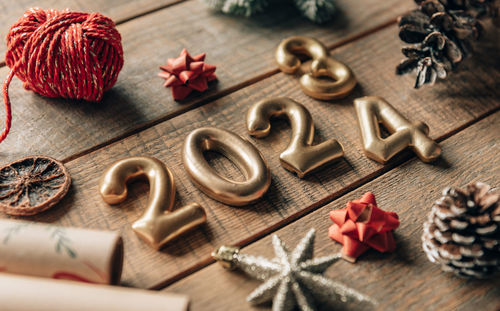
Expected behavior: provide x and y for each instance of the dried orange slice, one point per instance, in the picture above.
(32, 185)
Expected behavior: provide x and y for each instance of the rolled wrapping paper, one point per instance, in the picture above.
(61, 253)
(23, 293)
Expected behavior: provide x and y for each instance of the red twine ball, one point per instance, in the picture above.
(62, 54)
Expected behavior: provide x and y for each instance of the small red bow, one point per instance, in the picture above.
(362, 225)
(185, 74)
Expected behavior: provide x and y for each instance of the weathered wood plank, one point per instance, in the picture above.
(242, 49)
(404, 280)
(446, 108)
(118, 10)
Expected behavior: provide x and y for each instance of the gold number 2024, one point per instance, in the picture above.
(300, 156)
(158, 225)
(371, 111)
(341, 79)
(241, 152)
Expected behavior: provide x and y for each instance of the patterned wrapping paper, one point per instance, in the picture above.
(24, 293)
(61, 253)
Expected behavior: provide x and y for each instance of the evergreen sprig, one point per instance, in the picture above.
(318, 11)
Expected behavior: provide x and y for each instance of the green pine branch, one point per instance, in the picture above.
(318, 11)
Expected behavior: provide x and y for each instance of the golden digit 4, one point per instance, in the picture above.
(299, 157)
(248, 159)
(158, 225)
(342, 80)
(371, 110)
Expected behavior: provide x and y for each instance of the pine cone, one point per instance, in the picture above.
(477, 8)
(462, 232)
(441, 38)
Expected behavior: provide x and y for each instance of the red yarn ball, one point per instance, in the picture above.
(63, 54)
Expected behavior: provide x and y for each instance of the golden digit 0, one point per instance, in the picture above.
(371, 110)
(158, 225)
(323, 65)
(299, 157)
(240, 151)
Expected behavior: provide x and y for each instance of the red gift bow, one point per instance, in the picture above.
(185, 74)
(362, 225)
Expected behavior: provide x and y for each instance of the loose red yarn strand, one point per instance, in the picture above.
(6, 101)
(62, 54)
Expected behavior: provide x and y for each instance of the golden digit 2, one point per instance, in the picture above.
(240, 151)
(158, 225)
(299, 157)
(371, 110)
(323, 65)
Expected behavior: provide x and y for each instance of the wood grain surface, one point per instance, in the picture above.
(403, 280)
(139, 117)
(118, 10)
(446, 108)
(242, 49)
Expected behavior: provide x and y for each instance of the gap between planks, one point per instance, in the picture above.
(407, 156)
(460, 164)
(153, 10)
(183, 109)
(315, 206)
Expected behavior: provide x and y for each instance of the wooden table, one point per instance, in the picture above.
(139, 117)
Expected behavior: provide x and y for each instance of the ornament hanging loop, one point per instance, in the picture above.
(328, 79)
(225, 256)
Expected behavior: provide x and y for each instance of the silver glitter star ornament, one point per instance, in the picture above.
(291, 278)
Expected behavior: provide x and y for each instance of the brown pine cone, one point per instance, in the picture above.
(441, 39)
(477, 8)
(462, 232)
